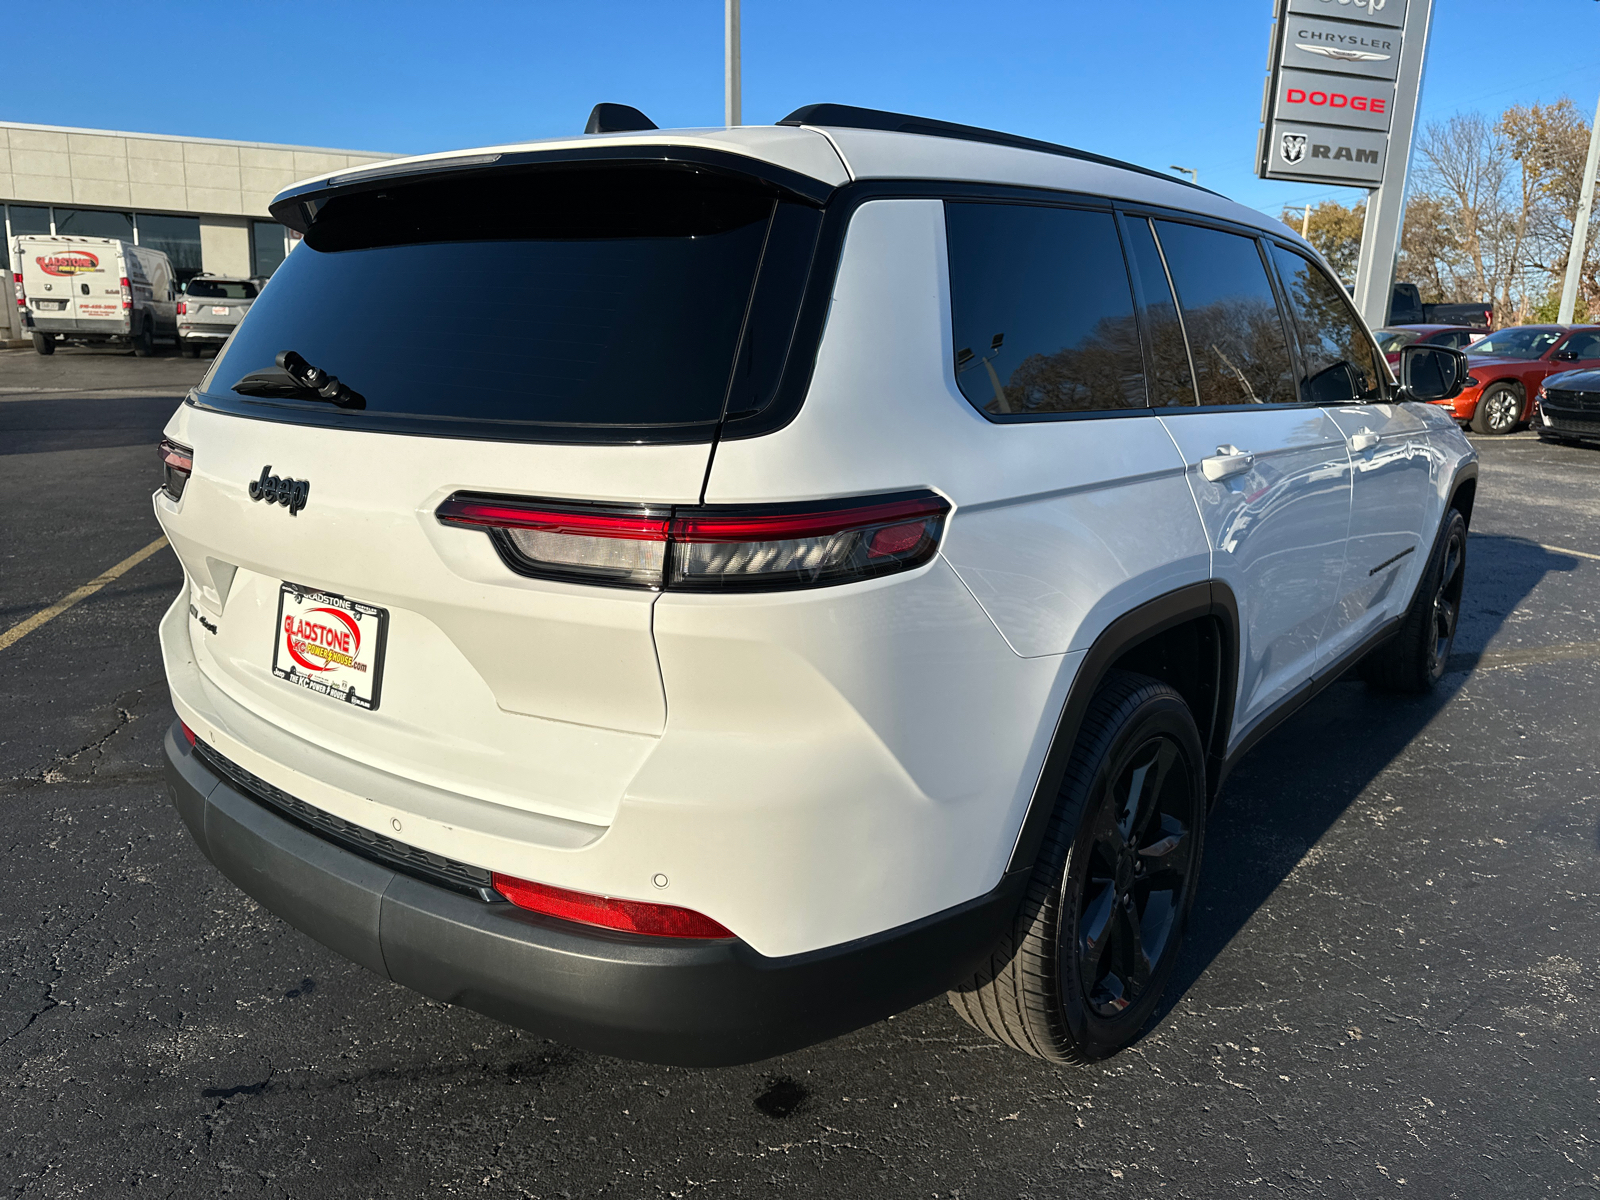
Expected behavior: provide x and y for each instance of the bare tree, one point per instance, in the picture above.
(1467, 166)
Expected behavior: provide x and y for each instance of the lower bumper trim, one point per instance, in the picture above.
(661, 1000)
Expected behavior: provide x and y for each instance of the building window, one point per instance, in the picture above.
(176, 237)
(93, 222)
(268, 247)
(29, 220)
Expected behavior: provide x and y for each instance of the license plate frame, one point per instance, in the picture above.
(346, 647)
(219, 310)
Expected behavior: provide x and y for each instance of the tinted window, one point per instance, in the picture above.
(1236, 338)
(575, 300)
(221, 289)
(1584, 345)
(90, 222)
(1171, 381)
(1043, 311)
(1525, 342)
(267, 250)
(26, 219)
(176, 237)
(1338, 362)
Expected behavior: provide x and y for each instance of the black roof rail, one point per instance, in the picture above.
(848, 116)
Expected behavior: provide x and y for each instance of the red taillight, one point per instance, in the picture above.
(709, 549)
(585, 545)
(183, 308)
(188, 734)
(127, 293)
(177, 464)
(632, 916)
(22, 299)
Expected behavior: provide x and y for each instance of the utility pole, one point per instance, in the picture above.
(730, 73)
(1580, 227)
(1305, 224)
(1386, 204)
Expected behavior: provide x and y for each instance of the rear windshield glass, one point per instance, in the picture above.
(221, 289)
(560, 298)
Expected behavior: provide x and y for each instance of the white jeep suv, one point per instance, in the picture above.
(691, 594)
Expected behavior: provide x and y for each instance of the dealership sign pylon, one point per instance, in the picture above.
(1339, 108)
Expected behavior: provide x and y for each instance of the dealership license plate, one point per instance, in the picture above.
(331, 645)
(50, 305)
(219, 310)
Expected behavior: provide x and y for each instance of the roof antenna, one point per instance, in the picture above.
(617, 118)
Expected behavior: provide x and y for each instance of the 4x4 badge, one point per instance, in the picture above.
(291, 493)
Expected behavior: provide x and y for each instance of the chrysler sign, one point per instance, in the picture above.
(1331, 91)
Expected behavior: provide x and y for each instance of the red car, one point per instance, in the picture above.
(1393, 337)
(1505, 369)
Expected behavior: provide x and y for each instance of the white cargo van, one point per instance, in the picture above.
(86, 290)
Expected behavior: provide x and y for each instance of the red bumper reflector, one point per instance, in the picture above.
(631, 916)
(188, 734)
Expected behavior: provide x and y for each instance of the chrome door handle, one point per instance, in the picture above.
(1226, 462)
(1365, 440)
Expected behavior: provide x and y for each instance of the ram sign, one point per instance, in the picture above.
(1331, 91)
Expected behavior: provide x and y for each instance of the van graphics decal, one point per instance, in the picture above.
(68, 262)
(291, 493)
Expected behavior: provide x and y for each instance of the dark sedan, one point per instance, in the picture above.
(1569, 408)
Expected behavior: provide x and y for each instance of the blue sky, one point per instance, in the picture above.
(1153, 81)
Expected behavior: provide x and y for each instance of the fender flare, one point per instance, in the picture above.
(1209, 599)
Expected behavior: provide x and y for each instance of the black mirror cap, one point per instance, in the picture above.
(1432, 373)
(617, 118)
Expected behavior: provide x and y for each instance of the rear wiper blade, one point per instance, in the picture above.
(296, 379)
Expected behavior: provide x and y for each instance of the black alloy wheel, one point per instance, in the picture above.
(1447, 599)
(1137, 878)
(1097, 937)
(1499, 410)
(1415, 658)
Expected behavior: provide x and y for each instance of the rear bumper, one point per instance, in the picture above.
(690, 1003)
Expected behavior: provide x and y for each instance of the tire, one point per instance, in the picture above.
(143, 344)
(1048, 990)
(1414, 659)
(44, 344)
(188, 349)
(1499, 409)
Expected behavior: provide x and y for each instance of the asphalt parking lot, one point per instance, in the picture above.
(1390, 985)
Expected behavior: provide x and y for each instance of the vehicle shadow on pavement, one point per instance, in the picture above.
(1289, 792)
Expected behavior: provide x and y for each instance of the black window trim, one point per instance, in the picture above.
(1378, 357)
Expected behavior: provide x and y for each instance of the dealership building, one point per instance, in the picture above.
(202, 201)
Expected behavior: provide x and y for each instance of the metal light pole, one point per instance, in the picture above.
(1580, 226)
(1194, 176)
(730, 72)
(1386, 204)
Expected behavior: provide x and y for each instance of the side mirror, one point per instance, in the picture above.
(1429, 373)
(1566, 355)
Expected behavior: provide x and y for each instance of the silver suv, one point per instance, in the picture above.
(210, 309)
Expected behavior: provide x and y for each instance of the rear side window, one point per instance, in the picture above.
(595, 303)
(1043, 311)
(1236, 338)
(1171, 379)
(1337, 359)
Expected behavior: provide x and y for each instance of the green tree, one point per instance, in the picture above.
(1334, 230)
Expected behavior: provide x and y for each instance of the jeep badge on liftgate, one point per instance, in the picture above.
(291, 493)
